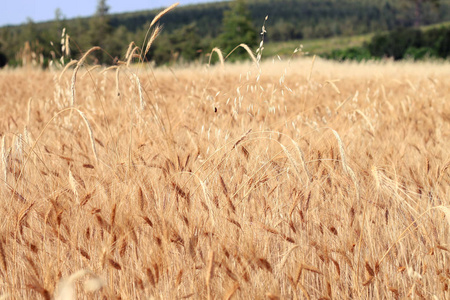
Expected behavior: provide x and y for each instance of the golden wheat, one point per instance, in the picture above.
(258, 197)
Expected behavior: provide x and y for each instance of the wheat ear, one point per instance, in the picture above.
(156, 19)
(158, 16)
(219, 53)
(153, 37)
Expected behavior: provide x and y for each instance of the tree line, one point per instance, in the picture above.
(401, 43)
(190, 32)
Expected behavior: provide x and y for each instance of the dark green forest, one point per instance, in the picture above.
(190, 32)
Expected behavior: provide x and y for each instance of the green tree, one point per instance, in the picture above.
(58, 15)
(237, 28)
(102, 8)
(3, 58)
(117, 43)
(99, 29)
(184, 44)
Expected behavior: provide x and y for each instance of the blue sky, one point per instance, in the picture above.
(14, 12)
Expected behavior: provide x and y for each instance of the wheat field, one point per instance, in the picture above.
(292, 179)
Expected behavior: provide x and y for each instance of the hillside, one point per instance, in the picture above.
(288, 20)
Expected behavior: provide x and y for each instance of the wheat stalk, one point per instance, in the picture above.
(132, 55)
(209, 273)
(130, 47)
(29, 110)
(249, 51)
(312, 67)
(219, 53)
(73, 185)
(71, 63)
(5, 158)
(117, 81)
(75, 71)
(141, 98)
(91, 133)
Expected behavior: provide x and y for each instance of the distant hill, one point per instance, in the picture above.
(288, 19)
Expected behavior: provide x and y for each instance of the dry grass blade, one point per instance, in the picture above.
(342, 104)
(117, 80)
(132, 55)
(286, 255)
(305, 292)
(272, 296)
(341, 151)
(91, 133)
(23, 213)
(302, 158)
(75, 71)
(5, 159)
(3, 258)
(241, 139)
(89, 70)
(219, 54)
(104, 70)
(141, 97)
(367, 120)
(210, 272)
(73, 185)
(446, 211)
(230, 293)
(29, 110)
(294, 164)
(331, 82)
(71, 63)
(344, 164)
(129, 50)
(311, 269)
(312, 67)
(249, 51)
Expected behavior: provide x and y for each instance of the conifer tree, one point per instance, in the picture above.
(237, 28)
(100, 29)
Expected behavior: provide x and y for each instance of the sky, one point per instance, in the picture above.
(15, 12)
